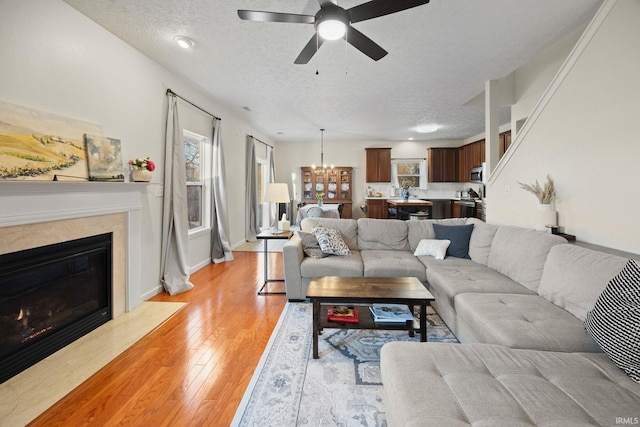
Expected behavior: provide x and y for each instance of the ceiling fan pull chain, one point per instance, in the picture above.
(317, 48)
(346, 54)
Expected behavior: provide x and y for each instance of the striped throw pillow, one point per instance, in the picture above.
(614, 321)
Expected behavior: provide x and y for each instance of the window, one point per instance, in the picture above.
(197, 149)
(411, 171)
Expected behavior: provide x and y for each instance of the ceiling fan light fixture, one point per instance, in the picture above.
(332, 29)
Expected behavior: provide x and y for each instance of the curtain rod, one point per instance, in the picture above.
(170, 92)
(261, 142)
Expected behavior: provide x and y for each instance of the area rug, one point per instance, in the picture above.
(341, 388)
(31, 392)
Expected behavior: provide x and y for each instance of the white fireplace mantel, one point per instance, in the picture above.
(31, 202)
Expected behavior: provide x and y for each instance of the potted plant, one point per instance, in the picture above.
(141, 169)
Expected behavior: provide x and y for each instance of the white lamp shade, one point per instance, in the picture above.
(277, 192)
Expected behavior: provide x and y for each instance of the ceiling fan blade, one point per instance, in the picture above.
(377, 8)
(255, 15)
(309, 50)
(364, 44)
(324, 2)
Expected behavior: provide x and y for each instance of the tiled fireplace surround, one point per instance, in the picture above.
(34, 214)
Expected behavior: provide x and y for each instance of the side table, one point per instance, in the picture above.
(266, 236)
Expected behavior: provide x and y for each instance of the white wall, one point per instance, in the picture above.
(57, 60)
(586, 137)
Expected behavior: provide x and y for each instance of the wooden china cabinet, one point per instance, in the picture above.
(335, 183)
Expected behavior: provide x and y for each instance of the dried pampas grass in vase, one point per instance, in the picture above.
(545, 194)
(547, 215)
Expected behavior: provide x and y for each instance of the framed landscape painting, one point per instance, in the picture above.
(36, 145)
(104, 158)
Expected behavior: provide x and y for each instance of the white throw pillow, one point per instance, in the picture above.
(330, 241)
(432, 247)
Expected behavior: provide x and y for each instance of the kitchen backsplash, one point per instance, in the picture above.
(436, 190)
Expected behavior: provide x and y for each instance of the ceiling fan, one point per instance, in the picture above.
(333, 22)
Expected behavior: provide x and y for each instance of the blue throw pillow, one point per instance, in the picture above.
(459, 236)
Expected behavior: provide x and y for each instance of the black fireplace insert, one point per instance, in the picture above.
(50, 296)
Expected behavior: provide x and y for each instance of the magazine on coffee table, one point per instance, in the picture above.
(391, 313)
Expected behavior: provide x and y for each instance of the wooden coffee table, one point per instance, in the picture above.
(324, 291)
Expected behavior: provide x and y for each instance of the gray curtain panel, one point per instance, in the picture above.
(220, 246)
(251, 201)
(174, 266)
(273, 215)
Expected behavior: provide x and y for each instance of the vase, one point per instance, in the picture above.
(141, 175)
(547, 216)
(319, 202)
(405, 194)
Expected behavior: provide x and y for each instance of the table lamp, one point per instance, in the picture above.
(278, 192)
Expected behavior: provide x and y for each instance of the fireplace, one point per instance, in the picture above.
(50, 296)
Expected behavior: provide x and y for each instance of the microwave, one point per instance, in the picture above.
(478, 175)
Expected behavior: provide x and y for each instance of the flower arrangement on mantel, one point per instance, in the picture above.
(143, 163)
(545, 194)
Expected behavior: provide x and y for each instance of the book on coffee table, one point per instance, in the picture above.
(339, 314)
(391, 313)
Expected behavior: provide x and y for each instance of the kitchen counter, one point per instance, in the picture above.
(410, 202)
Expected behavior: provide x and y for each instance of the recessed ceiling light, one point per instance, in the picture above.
(426, 128)
(411, 139)
(184, 42)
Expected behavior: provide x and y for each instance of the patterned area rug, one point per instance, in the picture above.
(341, 388)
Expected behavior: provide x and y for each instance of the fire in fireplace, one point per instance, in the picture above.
(50, 296)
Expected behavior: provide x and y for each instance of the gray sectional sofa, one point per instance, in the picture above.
(517, 305)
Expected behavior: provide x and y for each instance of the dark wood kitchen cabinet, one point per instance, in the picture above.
(470, 156)
(505, 142)
(378, 164)
(377, 208)
(443, 164)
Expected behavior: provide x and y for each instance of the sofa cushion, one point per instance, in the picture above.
(348, 266)
(574, 277)
(330, 241)
(348, 228)
(458, 235)
(519, 321)
(446, 385)
(382, 234)
(614, 322)
(419, 230)
(481, 239)
(520, 254)
(378, 263)
(310, 245)
(445, 282)
(454, 280)
(430, 262)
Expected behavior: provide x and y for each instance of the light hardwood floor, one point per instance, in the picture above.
(192, 370)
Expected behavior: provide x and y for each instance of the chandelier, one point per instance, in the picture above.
(323, 165)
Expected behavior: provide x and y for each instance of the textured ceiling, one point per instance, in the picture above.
(440, 56)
